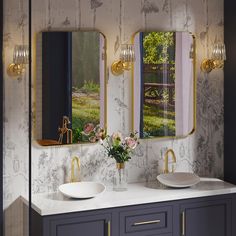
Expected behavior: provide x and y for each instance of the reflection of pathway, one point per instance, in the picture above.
(78, 95)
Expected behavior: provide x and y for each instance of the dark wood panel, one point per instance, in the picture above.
(234, 215)
(230, 92)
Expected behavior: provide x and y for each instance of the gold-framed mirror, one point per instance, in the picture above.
(70, 91)
(164, 84)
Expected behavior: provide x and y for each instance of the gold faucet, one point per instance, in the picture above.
(72, 178)
(166, 169)
(65, 130)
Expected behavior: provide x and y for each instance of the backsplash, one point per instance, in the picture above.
(201, 152)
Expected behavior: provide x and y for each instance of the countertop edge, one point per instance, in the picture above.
(137, 201)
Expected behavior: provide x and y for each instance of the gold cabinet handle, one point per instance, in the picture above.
(147, 222)
(109, 228)
(183, 223)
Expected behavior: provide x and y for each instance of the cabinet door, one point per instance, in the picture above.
(211, 218)
(91, 225)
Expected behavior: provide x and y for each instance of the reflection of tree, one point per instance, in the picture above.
(158, 47)
(159, 84)
(85, 58)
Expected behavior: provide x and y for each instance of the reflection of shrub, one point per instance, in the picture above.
(85, 109)
(90, 86)
(77, 134)
(158, 122)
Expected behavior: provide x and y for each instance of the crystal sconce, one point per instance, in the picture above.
(217, 60)
(126, 59)
(20, 59)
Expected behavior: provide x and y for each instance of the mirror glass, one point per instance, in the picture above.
(71, 91)
(164, 84)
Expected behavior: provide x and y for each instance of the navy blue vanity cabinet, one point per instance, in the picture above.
(203, 216)
(206, 218)
(73, 224)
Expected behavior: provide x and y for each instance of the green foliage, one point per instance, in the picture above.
(158, 122)
(156, 45)
(77, 135)
(119, 153)
(90, 86)
(85, 109)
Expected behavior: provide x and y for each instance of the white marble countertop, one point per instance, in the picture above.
(137, 193)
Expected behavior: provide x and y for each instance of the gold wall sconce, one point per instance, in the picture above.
(20, 59)
(127, 57)
(217, 60)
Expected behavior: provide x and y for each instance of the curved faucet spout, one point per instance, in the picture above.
(77, 160)
(65, 130)
(166, 169)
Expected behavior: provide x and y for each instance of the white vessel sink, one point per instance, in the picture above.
(82, 189)
(178, 179)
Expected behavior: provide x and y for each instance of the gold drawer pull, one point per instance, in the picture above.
(109, 228)
(147, 222)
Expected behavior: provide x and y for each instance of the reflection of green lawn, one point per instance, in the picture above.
(157, 120)
(85, 109)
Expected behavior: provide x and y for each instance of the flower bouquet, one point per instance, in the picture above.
(120, 149)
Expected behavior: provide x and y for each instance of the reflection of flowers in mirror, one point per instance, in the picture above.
(91, 133)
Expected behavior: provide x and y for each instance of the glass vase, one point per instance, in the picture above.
(120, 178)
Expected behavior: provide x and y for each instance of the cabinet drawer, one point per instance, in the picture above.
(146, 221)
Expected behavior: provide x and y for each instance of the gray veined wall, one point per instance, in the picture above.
(118, 20)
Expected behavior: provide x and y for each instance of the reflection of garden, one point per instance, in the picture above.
(85, 109)
(158, 121)
(159, 84)
(85, 85)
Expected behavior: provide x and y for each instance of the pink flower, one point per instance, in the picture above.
(88, 128)
(131, 142)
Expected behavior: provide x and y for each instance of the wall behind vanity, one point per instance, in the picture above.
(118, 20)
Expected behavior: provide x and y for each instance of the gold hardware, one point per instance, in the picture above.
(126, 58)
(15, 69)
(120, 166)
(20, 59)
(147, 222)
(207, 65)
(183, 223)
(109, 228)
(166, 169)
(117, 68)
(217, 60)
(72, 179)
(65, 130)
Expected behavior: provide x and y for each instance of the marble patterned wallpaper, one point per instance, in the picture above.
(201, 152)
(15, 162)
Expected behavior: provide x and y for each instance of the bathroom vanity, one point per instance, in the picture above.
(207, 209)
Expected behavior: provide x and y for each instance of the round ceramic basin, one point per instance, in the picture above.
(82, 189)
(178, 179)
